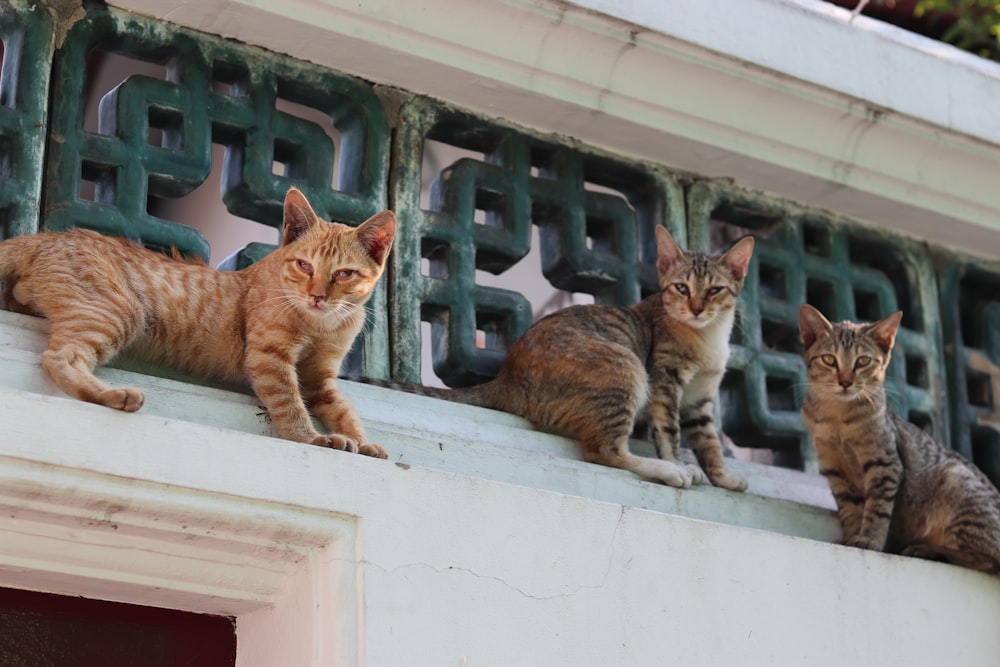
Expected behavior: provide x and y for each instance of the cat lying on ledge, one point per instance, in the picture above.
(284, 324)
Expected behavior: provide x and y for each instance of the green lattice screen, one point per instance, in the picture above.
(506, 197)
(24, 84)
(970, 314)
(595, 219)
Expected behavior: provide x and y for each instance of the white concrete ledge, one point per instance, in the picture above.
(420, 431)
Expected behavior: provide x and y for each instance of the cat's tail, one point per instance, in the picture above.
(480, 395)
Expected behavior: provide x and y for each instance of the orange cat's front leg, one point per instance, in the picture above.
(331, 408)
(272, 374)
(338, 416)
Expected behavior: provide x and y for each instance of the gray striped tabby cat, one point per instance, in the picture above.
(897, 489)
(587, 371)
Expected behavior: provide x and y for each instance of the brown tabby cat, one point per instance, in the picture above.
(284, 323)
(587, 371)
(896, 488)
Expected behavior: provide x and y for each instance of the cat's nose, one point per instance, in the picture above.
(697, 307)
(846, 382)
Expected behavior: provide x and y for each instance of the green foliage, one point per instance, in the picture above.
(972, 25)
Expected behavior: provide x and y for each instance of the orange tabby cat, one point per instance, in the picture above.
(284, 323)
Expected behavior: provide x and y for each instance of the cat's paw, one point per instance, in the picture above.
(126, 399)
(336, 441)
(919, 551)
(729, 480)
(697, 474)
(371, 449)
(861, 542)
(341, 442)
(669, 473)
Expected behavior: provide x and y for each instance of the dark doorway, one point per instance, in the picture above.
(45, 630)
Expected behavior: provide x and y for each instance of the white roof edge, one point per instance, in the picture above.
(861, 57)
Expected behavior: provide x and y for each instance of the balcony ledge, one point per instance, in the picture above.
(431, 433)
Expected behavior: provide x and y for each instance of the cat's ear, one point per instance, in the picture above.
(737, 258)
(376, 234)
(812, 325)
(667, 250)
(298, 217)
(884, 331)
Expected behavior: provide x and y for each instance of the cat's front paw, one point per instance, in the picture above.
(729, 480)
(127, 399)
(336, 441)
(697, 474)
(861, 542)
(665, 472)
(920, 551)
(371, 449)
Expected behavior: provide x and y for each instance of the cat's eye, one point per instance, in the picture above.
(712, 291)
(304, 266)
(682, 289)
(862, 361)
(343, 274)
(829, 360)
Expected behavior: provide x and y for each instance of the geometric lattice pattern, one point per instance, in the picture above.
(590, 216)
(479, 217)
(24, 87)
(155, 135)
(970, 317)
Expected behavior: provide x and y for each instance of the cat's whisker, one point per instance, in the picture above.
(801, 385)
(284, 299)
(369, 321)
(286, 296)
(280, 297)
(369, 324)
(285, 304)
(342, 311)
(893, 390)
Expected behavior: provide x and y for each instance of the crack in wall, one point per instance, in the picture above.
(521, 590)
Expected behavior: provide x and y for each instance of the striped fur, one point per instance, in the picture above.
(588, 372)
(285, 323)
(896, 488)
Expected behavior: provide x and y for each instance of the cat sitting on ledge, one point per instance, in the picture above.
(897, 489)
(587, 372)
